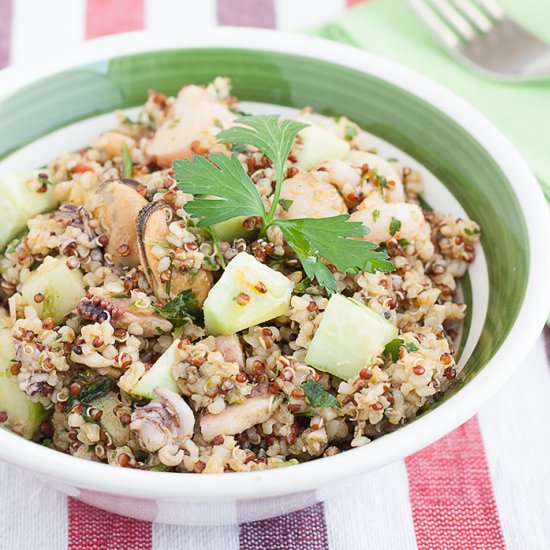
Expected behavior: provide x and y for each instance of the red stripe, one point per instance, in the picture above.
(451, 494)
(91, 529)
(5, 31)
(105, 17)
(247, 13)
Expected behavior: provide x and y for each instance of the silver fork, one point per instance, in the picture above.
(480, 34)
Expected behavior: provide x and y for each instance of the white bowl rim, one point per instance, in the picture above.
(311, 475)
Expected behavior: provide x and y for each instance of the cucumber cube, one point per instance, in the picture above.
(248, 293)
(61, 287)
(24, 416)
(320, 145)
(19, 202)
(159, 375)
(232, 229)
(349, 337)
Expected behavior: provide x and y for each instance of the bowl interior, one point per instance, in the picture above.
(381, 108)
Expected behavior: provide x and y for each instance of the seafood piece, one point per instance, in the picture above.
(312, 196)
(122, 314)
(231, 349)
(118, 216)
(153, 229)
(394, 192)
(238, 418)
(164, 425)
(112, 142)
(197, 115)
(404, 220)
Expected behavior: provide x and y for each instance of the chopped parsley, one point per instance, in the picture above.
(286, 204)
(391, 350)
(98, 387)
(12, 247)
(395, 226)
(302, 286)
(471, 232)
(318, 396)
(351, 132)
(375, 214)
(44, 179)
(181, 308)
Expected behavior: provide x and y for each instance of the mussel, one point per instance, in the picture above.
(153, 229)
(118, 215)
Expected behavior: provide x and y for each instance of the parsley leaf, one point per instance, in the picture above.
(392, 349)
(270, 134)
(227, 190)
(180, 308)
(318, 396)
(395, 226)
(222, 190)
(411, 346)
(333, 239)
(127, 163)
(273, 136)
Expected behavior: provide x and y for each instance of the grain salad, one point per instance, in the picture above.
(206, 291)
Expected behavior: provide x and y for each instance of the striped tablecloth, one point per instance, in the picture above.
(484, 486)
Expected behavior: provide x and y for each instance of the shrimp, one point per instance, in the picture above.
(394, 192)
(409, 224)
(346, 178)
(196, 115)
(312, 196)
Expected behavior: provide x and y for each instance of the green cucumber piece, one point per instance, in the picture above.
(320, 145)
(349, 337)
(232, 229)
(159, 375)
(61, 287)
(247, 294)
(19, 203)
(109, 420)
(24, 416)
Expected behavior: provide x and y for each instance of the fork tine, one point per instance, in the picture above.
(435, 24)
(492, 7)
(478, 18)
(454, 19)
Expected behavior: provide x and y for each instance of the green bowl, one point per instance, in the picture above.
(481, 170)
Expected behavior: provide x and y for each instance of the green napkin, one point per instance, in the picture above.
(520, 110)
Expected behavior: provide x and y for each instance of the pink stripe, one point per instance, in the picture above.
(247, 13)
(451, 494)
(5, 31)
(297, 531)
(91, 529)
(105, 17)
